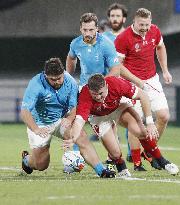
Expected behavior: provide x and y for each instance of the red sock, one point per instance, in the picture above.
(151, 147)
(136, 156)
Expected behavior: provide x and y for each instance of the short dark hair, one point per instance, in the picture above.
(96, 82)
(143, 13)
(88, 17)
(53, 67)
(118, 6)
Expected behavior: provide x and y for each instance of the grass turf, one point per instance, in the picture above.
(54, 187)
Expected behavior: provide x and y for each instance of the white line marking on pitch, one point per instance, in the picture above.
(150, 180)
(147, 197)
(10, 168)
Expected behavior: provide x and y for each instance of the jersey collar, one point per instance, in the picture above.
(132, 27)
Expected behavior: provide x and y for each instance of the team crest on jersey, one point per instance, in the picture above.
(137, 47)
(153, 41)
(47, 98)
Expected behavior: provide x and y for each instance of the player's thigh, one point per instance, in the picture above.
(127, 120)
(160, 107)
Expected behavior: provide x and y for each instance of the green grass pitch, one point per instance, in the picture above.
(54, 187)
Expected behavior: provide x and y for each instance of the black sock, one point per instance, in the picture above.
(121, 166)
(162, 162)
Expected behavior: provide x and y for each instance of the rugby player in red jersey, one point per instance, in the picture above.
(136, 47)
(101, 103)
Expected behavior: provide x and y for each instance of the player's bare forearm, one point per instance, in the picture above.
(74, 133)
(76, 128)
(125, 73)
(115, 71)
(145, 102)
(71, 64)
(27, 118)
(162, 57)
(71, 115)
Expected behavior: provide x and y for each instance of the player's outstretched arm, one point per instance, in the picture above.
(29, 121)
(74, 133)
(125, 73)
(146, 107)
(162, 58)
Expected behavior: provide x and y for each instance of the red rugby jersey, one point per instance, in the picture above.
(117, 87)
(139, 51)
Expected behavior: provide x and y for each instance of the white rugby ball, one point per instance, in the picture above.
(72, 161)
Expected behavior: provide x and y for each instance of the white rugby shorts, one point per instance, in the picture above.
(156, 95)
(35, 141)
(101, 124)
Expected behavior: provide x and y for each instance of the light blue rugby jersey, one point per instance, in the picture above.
(94, 58)
(46, 104)
(109, 36)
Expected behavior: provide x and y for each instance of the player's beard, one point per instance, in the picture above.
(143, 32)
(116, 26)
(57, 86)
(89, 39)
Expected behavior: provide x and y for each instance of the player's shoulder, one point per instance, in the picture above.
(36, 83)
(36, 79)
(111, 79)
(154, 28)
(125, 34)
(69, 79)
(77, 40)
(105, 42)
(114, 80)
(106, 33)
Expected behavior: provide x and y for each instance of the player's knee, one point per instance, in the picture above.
(41, 165)
(163, 117)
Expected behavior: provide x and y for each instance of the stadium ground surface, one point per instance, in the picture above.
(54, 187)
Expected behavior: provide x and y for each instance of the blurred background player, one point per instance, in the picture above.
(103, 26)
(117, 15)
(100, 103)
(136, 47)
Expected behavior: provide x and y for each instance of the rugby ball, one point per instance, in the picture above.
(72, 162)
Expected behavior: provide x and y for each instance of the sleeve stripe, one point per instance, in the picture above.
(135, 92)
(161, 41)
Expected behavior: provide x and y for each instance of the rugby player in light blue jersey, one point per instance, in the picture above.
(95, 53)
(49, 108)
